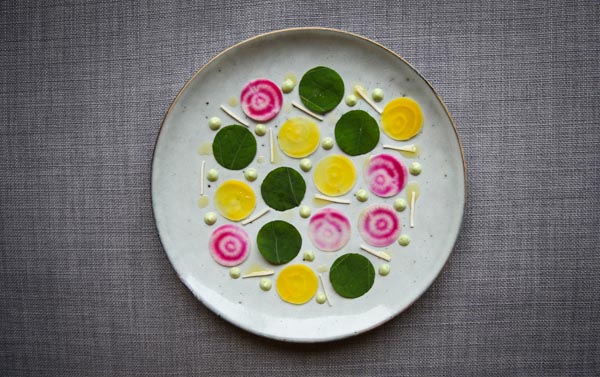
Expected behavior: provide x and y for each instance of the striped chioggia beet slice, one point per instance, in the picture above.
(386, 176)
(261, 100)
(229, 245)
(329, 229)
(378, 225)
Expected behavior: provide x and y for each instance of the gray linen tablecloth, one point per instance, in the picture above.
(86, 288)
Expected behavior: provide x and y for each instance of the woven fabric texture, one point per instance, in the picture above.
(86, 288)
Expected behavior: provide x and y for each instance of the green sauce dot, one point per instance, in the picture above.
(351, 100)
(288, 86)
(377, 95)
(214, 123)
(404, 240)
(415, 168)
(308, 256)
(384, 269)
(235, 272)
(399, 204)
(321, 298)
(327, 143)
(212, 175)
(260, 130)
(265, 284)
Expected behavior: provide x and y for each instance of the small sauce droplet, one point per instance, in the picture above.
(205, 149)
(203, 201)
(233, 101)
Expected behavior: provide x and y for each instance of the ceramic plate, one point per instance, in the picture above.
(182, 146)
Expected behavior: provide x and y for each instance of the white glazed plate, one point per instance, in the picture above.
(176, 185)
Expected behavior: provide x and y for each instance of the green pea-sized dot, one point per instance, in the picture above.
(415, 168)
(377, 95)
(321, 298)
(362, 195)
(327, 143)
(235, 272)
(384, 269)
(260, 130)
(251, 174)
(210, 218)
(288, 86)
(404, 240)
(214, 123)
(400, 204)
(265, 284)
(212, 175)
(308, 256)
(351, 100)
(305, 212)
(305, 164)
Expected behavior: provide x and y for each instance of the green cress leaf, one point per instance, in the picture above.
(283, 188)
(356, 133)
(352, 275)
(279, 242)
(321, 89)
(234, 147)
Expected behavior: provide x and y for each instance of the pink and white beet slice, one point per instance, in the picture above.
(261, 100)
(386, 176)
(329, 229)
(229, 245)
(378, 225)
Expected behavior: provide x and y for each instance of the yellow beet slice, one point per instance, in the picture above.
(335, 175)
(402, 118)
(299, 137)
(235, 200)
(297, 284)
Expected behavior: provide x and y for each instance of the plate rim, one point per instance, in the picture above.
(283, 31)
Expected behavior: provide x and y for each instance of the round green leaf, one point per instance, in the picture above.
(234, 147)
(321, 89)
(356, 133)
(283, 188)
(279, 242)
(352, 275)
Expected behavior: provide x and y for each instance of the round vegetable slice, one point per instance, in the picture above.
(279, 242)
(234, 147)
(283, 189)
(261, 100)
(329, 229)
(321, 89)
(352, 275)
(235, 200)
(229, 245)
(386, 176)
(356, 132)
(298, 137)
(402, 118)
(297, 284)
(334, 175)
(379, 225)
